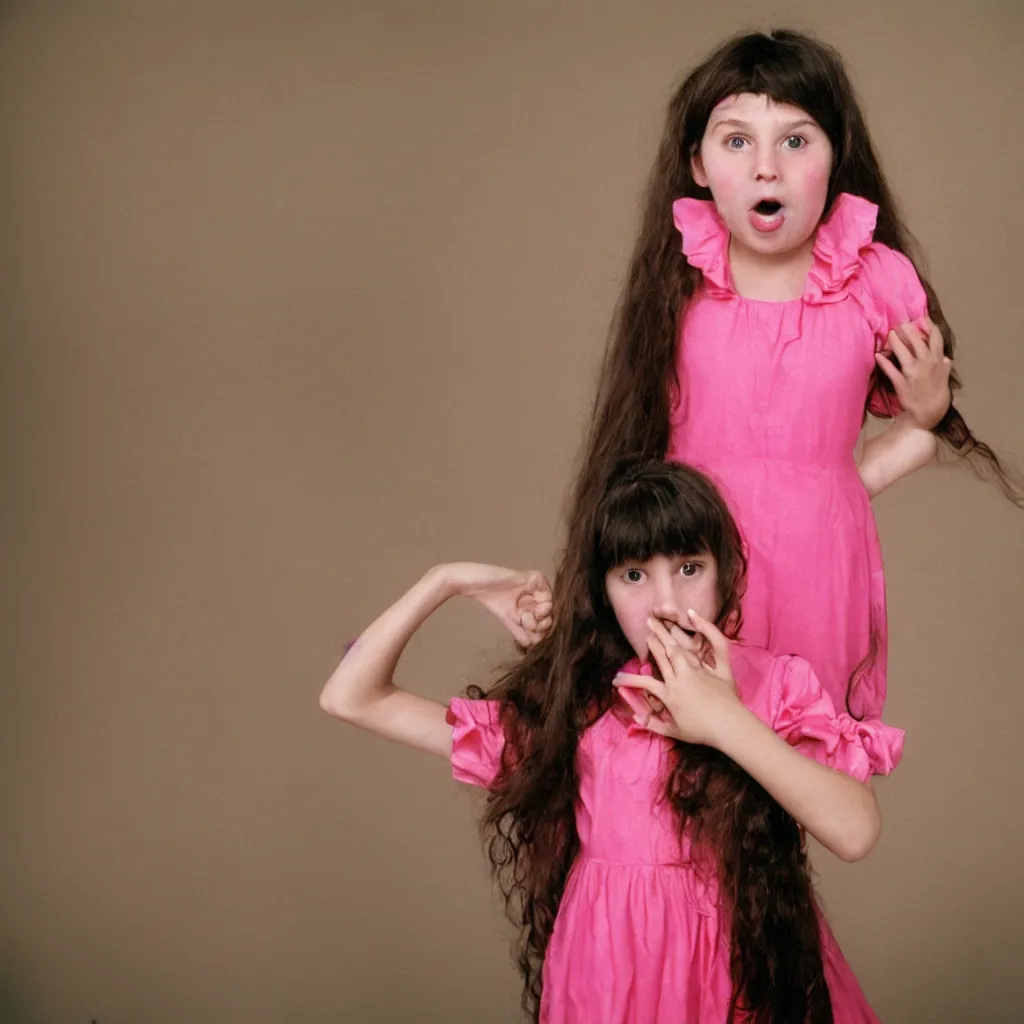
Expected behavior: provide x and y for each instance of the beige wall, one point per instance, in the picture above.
(298, 299)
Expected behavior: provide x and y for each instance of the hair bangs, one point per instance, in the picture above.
(787, 68)
(647, 521)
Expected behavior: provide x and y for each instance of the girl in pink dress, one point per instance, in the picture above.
(771, 302)
(649, 782)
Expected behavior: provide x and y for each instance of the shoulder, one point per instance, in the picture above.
(885, 267)
(889, 289)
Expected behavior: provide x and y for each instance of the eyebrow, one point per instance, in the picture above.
(733, 122)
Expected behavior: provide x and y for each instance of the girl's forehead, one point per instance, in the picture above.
(676, 556)
(749, 106)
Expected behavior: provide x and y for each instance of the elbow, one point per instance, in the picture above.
(861, 838)
(869, 477)
(331, 704)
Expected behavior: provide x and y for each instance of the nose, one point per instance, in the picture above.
(767, 166)
(666, 604)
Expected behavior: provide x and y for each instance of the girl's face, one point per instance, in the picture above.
(767, 166)
(664, 587)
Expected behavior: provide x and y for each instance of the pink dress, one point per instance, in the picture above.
(771, 402)
(639, 938)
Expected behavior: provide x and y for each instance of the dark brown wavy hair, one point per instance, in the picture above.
(563, 684)
(631, 410)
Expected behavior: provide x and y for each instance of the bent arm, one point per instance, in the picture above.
(898, 451)
(362, 689)
(840, 812)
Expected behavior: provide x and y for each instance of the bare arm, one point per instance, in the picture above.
(897, 452)
(701, 706)
(921, 383)
(840, 812)
(362, 689)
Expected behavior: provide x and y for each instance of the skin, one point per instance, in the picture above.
(921, 383)
(841, 813)
(754, 149)
(362, 689)
(659, 588)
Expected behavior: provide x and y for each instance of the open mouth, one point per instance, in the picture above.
(768, 207)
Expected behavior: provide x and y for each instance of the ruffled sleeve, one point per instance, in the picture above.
(806, 718)
(891, 294)
(477, 740)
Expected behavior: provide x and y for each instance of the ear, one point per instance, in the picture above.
(697, 169)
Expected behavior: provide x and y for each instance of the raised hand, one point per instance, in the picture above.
(696, 689)
(520, 600)
(921, 381)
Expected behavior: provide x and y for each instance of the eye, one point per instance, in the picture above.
(633, 575)
(795, 142)
(735, 142)
(690, 568)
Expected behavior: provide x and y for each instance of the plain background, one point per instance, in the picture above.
(299, 299)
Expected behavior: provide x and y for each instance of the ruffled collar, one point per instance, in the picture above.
(838, 244)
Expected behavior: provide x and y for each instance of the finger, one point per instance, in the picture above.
(520, 635)
(646, 683)
(657, 725)
(660, 630)
(678, 657)
(673, 647)
(539, 589)
(890, 369)
(657, 705)
(686, 640)
(936, 342)
(719, 641)
(690, 658)
(661, 657)
(901, 350)
(915, 337)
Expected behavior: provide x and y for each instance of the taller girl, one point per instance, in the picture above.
(754, 347)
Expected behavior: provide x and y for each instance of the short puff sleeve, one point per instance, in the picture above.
(478, 740)
(891, 294)
(806, 718)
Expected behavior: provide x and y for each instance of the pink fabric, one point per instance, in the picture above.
(771, 402)
(639, 938)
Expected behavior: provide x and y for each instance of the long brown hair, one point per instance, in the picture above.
(564, 683)
(632, 407)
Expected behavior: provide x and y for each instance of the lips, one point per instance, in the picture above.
(767, 215)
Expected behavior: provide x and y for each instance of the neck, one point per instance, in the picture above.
(770, 277)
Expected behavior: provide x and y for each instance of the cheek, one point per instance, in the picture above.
(631, 614)
(815, 179)
(704, 598)
(726, 179)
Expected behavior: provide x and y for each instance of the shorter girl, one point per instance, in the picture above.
(649, 782)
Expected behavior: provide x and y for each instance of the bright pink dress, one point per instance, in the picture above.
(639, 938)
(771, 402)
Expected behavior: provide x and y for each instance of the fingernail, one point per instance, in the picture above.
(691, 613)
